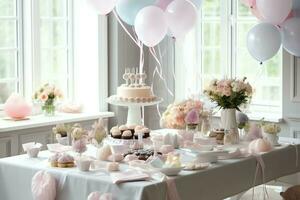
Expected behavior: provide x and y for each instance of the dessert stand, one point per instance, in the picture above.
(134, 115)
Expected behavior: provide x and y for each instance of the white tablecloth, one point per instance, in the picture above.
(223, 179)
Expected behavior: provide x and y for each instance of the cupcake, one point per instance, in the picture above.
(123, 128)
(138, 128)
(65, 161)
(112, 167)
(114, 129)
(54, 159)
(127, 135)
(146, 132)
(131, 128)
(116, 134)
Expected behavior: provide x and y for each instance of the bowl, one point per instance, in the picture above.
(171, 171)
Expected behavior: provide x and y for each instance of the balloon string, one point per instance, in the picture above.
(152, 85)
(135, 40)
(125, 29)
(153, 52)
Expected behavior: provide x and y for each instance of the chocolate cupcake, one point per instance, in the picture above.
(116, 134)
(131, 128)
(139, 128)
(114, 129)
(146, 132)
(123, 128)
(127, 135)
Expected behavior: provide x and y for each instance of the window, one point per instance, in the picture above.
(216, 48)
(55, 44)
(36, 46)
(10, 49)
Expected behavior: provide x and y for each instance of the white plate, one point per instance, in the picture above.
(171, 171)
(199, 166)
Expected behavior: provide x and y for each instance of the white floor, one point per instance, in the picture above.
(273, 188)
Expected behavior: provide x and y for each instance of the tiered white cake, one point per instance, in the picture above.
(134, 89)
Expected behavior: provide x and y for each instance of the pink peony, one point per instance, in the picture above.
(79, 146)
(192, 117)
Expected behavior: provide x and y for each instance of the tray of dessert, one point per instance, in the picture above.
(128, 134)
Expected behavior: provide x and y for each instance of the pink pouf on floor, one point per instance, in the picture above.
(16, 107)
(43, 186)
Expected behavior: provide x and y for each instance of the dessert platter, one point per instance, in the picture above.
(134, 94)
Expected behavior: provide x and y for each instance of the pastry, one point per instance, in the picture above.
(116, 134)
(146, 132)
(123, 128)
(112, 167)
(142, 154)
(114, 129)
(131, 128)
(54, 159)
(138, 128)
(65, 161)
(127, 135)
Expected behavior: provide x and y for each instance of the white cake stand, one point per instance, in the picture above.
(134, 115)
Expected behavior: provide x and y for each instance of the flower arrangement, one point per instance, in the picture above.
(48, 94)
(98, 132)
(61, 132)
(271, 128)
(79, 138)
(178, 115)
(229, 93)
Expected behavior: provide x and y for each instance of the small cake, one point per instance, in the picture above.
(127, 135)
(123, 128)
(114, 129)
(112, 167)
(138, 128)
(146, 132)
(65, 161)
(131, 128)
(116, 134)
(54, 159)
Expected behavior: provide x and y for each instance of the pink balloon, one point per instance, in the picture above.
(150, 25)
(163, 4)
(256, 13)
(103, 7)
(249, 3)
(16, 107)
(181, 17)
(274, 11)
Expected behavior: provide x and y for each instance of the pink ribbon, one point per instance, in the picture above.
(172, 193)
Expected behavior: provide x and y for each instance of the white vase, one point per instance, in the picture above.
(228, 122)
(272, 138)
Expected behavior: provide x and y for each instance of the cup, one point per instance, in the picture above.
(83, 164)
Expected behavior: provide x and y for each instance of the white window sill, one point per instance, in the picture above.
(275, 118)
(41, 120)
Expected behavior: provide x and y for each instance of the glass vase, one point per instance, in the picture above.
(49, 110)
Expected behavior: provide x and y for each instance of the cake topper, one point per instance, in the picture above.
(134, 78)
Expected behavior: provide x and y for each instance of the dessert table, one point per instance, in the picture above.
(221, 180)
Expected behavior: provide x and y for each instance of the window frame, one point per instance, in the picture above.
(230, 21)
(18, 78)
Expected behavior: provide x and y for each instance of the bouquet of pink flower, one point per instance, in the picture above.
(47, 94)
(229, 93)
(178, 115)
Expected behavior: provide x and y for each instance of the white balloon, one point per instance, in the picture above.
(150, 25)
(274, 11)
(291, 36)
(263, 41)
(102, 7)
(181, 17)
